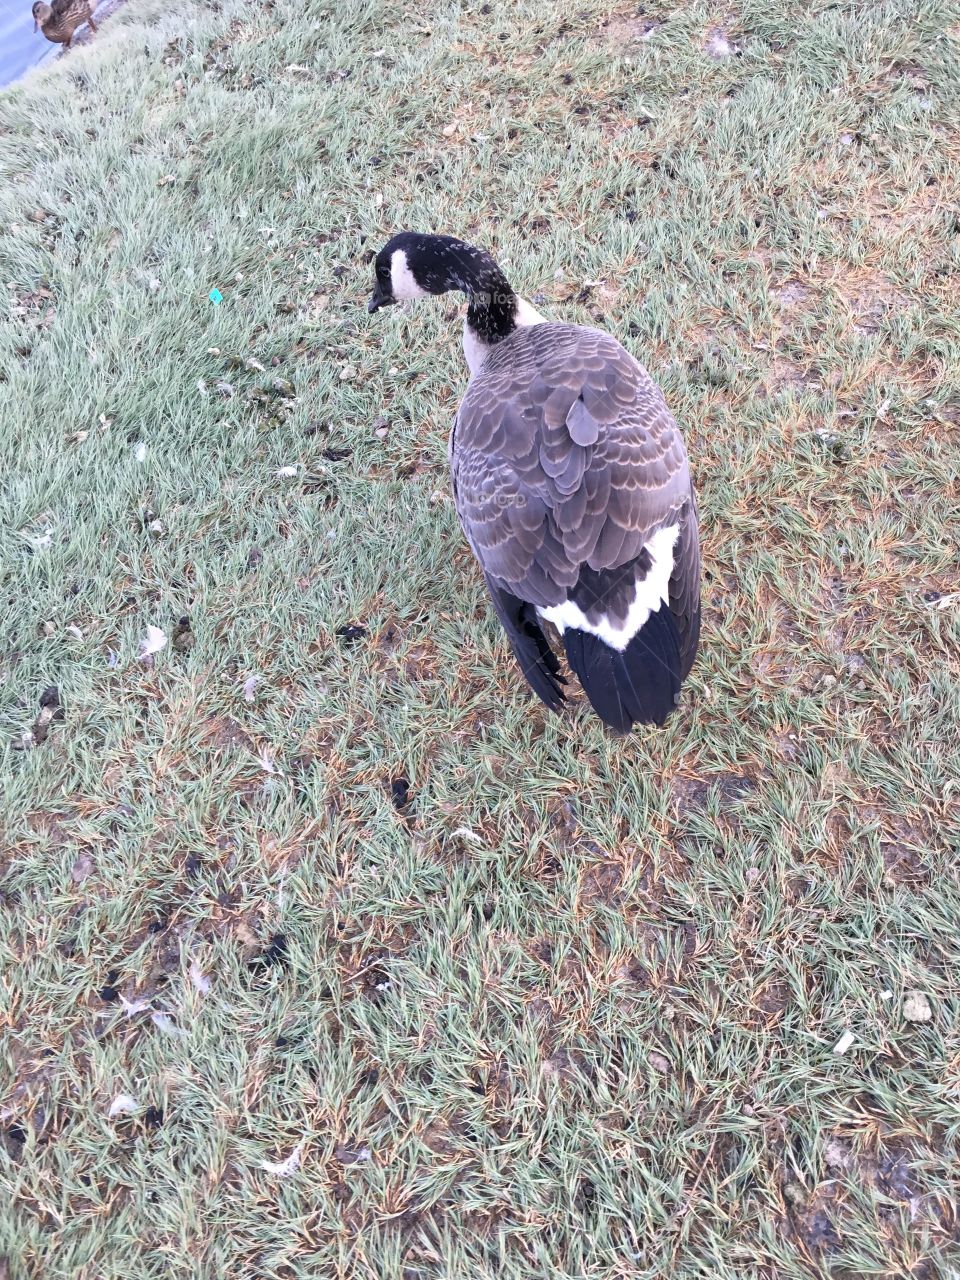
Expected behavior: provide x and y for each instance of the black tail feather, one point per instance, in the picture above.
(538, 662)
(640, 683)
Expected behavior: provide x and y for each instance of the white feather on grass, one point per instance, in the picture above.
(465, 833)
(285, 1167)
(130, 1007)
(199, 978)
(153, 641)
(165, 1023)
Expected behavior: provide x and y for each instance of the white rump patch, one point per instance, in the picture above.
(402, 281)
(651, 593)
(476, 350)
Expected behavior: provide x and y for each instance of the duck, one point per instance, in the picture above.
(572, 486)
(60, 19)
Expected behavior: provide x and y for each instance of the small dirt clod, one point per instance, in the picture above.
(916, 1007)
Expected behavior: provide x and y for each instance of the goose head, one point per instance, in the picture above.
(411, 265)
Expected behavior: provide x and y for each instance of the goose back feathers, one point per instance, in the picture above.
(572, 486)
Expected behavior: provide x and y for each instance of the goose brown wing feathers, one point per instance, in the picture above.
(565, 462)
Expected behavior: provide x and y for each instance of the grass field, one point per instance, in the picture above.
(562, 1004)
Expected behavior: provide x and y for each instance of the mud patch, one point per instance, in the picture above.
(224, 732)
(825, 1215)
(872, 302)
(35, 310)
(692, 795)
(791, 295)
(788, 376)
(628, 30)
(601, 884)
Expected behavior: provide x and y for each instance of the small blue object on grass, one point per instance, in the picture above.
(216, 297)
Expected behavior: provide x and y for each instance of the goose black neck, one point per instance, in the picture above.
(492, 303)
(492, 306)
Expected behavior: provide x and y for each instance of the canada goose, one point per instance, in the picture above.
(571, 482)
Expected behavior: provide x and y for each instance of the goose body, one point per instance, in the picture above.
(572, 486)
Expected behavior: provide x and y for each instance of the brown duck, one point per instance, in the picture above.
(59, 20)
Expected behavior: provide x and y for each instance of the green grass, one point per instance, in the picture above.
(572, 1012)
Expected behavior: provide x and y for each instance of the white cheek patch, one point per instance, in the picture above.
(651, 593)
(402, 281)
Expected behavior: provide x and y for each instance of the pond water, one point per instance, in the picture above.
(20, 47)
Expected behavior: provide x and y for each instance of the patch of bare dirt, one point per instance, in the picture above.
(629, 29)
(786, 744)
(872, 300)
(34, 309)
(904, 844)
(792, 294)
(873, 306)
(690, 795)
(602, 883)
(785, 375)
(819, 1215)
(773, 998)
(52, 825)
(225, 732)
(568, 1064)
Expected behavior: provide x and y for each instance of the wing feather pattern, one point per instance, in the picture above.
(566, 462)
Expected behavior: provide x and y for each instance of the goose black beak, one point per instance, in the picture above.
(379, 299)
